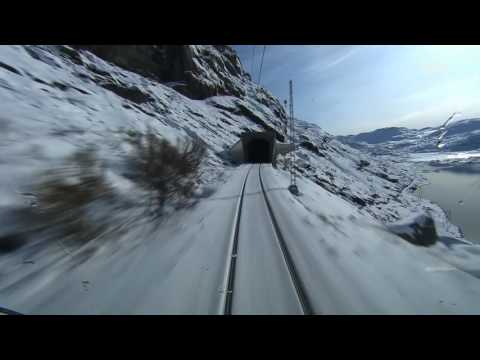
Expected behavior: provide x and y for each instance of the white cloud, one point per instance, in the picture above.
(363, 87)
(324, 60)
(436, 114)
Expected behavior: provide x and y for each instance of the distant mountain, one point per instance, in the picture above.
(463, 135)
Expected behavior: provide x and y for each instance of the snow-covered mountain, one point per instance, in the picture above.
(463, 135)
(55, 100)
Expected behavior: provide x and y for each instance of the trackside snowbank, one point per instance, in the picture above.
(351, 264)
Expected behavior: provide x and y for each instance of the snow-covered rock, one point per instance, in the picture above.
(418, 229)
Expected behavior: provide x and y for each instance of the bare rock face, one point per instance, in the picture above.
(205, 71)
(160, 62)
(196, 71)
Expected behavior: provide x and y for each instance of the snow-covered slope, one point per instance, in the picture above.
(51, 105)
(382, 187)
(55, 100)
(463, 135)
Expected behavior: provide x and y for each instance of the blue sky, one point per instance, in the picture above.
(348, 89)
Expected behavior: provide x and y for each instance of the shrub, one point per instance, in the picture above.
(167, 172)
(76, 204)
(66, 195)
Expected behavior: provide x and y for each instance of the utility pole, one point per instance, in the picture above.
(286, 165)
(293, 180)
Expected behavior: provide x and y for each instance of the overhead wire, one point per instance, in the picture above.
(252, 68)
(261, 64)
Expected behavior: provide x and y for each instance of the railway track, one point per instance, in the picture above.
(261, 276)
(233, 255)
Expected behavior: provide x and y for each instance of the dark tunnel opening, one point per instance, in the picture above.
(258, 151)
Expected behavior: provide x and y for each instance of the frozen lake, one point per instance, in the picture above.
(456, 188)
(445, 156)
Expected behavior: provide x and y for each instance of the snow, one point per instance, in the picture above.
(262, 281)
(349, 263)
(353, 266)
(159, 273)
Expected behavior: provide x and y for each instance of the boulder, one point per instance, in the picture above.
(418, 230)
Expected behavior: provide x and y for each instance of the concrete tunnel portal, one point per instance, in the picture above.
(258, 147)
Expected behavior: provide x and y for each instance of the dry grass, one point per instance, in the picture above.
(65, 196)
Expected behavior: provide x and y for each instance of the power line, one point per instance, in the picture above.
(261, 64)
(253, 60)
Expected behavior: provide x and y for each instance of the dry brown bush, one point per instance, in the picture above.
(166, 171)
(65, 195)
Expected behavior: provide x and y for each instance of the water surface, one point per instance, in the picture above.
(456, 188)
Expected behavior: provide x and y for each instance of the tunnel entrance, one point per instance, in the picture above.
(254, 147)
(258, 151)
